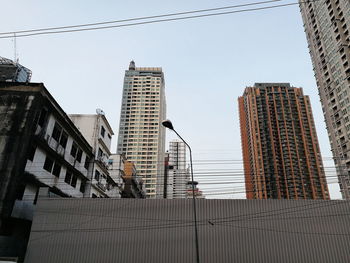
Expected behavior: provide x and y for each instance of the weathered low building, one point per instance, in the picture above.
(133, 187)
(197, 192)
(161, 230)
(98, 132)
(39, 147)
(116, 166)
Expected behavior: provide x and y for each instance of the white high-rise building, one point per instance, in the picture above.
(327, 25)
(178, 174)
(141, 135)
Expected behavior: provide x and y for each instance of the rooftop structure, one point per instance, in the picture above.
(11, 71)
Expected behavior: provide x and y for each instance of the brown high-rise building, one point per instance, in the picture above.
(327, 25)
(281, 155)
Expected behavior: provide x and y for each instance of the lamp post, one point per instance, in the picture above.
(169, 125)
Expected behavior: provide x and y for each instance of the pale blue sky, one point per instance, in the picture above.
(207, 63)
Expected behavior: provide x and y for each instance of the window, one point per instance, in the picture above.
(109, 136)
(31, 153)
(60, 135)
(74, 181)
(56, 170)
(79, 154)
(82, 186)
(97, 175)
(74, 150)
(94, 196)
(64, 139)
(103, 131)
(86, 165)
(68, 177)
(48, 164)
(71, 179)
(56, 133)
(100, 153)
(42, 117)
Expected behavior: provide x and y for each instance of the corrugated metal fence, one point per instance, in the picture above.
(136, 230)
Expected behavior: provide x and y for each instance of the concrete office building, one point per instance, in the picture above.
(98, 132)
(281, 153)
(39, 147)
(327, 25)
(141, 137)
(177, 173)
(12, 71)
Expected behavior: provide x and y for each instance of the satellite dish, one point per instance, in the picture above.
(100, 112)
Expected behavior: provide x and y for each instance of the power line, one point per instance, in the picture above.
(145, 22)
(137, 18)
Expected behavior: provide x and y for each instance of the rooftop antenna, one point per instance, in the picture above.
(15, 48)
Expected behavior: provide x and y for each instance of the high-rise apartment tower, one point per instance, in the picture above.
(281, 155)
(177, 174)
(327, 25)
(141, 137)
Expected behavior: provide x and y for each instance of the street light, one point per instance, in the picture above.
(169, 125)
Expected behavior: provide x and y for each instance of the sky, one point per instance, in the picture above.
(207, 63)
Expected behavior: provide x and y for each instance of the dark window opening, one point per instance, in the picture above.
(97, 175)
(56, 170)
(20, 191)
(99, 154)
(31, 152)
(79, 154)
(74, 150)
(56, 133)
(74, 181)
(82, 186)
(68, 177)
(48, 164)
(42, 117)
(64, 139)
(103, 131)
(86, 165)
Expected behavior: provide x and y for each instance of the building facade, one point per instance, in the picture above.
(116, 167)
(141, 137)
(281, 154)
(133, 183)
(39, 147)
(98, 132)
(11, 71)
(327, 25)
(198, 194)
(177, 173)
